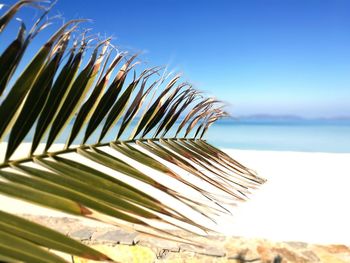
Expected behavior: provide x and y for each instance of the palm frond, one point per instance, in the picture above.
(115, 181)
(27, 231)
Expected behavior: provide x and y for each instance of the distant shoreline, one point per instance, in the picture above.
(267, 117)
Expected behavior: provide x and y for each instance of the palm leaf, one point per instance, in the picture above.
(12, 54)
(57, 95)
(149, 184)
(45, 237)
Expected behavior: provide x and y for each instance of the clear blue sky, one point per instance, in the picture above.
(261, 56)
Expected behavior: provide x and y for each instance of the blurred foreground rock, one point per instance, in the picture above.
(124, 246)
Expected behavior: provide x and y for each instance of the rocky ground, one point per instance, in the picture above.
(126, 247)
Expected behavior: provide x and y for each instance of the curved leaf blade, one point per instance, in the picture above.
(23, 250)
(25, 81)
(10, 58)
(47, 237)
(74, 98)
(90, 105)
(108, 99)
(57, 96)
(35, 101)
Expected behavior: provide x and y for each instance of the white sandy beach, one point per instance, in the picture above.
(305, 199)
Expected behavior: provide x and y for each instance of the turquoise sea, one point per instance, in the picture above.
(261, 134)
(283, 135)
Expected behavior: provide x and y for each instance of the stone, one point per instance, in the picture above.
(297, 245)
(332, 253)
(311, 256)
(264, 252)
(82, 234)
(337, 249)
(120, 245)
(116, 236)
(325, 257)
(123, 253)
(190, 257)
(242, 257)
(163, 253)
(217, 238)
(217, 251)
(289, 255)
(159, 244)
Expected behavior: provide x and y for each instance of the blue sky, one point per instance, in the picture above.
(261, 56)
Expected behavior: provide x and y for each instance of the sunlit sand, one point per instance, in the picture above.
(305, 198)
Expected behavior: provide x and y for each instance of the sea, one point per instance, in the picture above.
(303, 135)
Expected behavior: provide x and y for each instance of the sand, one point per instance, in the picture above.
(305, 199)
